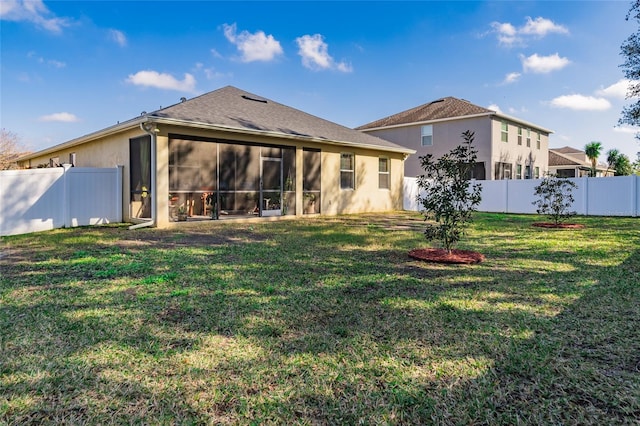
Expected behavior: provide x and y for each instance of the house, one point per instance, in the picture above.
(572, 162)
(230, 153)
(508, 148)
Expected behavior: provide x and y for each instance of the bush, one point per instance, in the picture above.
(449, 197)
(555, 198)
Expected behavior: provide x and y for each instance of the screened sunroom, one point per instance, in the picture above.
(217, 179)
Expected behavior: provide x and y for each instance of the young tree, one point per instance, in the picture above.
(449, 196)
(630, 50)
(555, 198)
(593, 150)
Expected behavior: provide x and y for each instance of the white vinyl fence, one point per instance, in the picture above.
(42, 199)
(600, 196)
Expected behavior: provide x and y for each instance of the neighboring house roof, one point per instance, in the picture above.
(565, 157)
(440, 110)
(234, 110)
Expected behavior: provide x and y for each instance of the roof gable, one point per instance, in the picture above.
(439, 109)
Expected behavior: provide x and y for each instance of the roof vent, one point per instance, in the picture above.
(143, 113)
(183, 99)
(249, 98)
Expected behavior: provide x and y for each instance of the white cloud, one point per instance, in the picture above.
(617, 90)
(33, 11)
(315, 54)
(510, 35)
(119, 37)
(512, 77)
(162, 81)
(543, 64)
(64, 117)
(495, 108)
(631, 130)
(581, 103)
(216, 54)
(254, 47)
(541, 27)
(51, 62)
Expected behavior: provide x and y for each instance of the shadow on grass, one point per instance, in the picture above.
(320, 324)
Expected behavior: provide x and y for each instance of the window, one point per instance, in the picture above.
(383, 173)
(427, 135)
(54, 162)
(527, 172)
(72, 159)
(536, 172)
(538, 141)
(518, 171)
(519, 135)
(528, 137)
(504, 131)
(347, 170)
(503, 171)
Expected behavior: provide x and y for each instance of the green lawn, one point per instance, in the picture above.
(321, 321)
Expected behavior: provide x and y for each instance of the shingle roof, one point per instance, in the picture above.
(557, 159)
(233, 108)
(448, 107)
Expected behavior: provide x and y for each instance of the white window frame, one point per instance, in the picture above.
(426, 132)
(538, 141)
(352, 171)
(504, 131)
(519, 135)
(528, 138)
(386, 173)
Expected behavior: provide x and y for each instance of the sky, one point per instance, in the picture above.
(68, 68)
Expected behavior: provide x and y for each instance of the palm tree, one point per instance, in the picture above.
(592, 150)
(613, 156)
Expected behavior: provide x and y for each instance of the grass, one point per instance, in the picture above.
(321, 321)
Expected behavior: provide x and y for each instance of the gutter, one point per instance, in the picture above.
(150, 128)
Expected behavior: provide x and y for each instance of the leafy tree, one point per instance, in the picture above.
(630, 50)
(449, 196)
(619, 163)
(635, 167)
(10, 150)
(593, 150)
(555, 198)
(612, 158)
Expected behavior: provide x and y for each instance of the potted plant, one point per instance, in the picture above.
(182, 213)
(311, 203)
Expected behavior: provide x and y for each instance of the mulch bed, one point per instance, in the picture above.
(442, 256)
(558, 225)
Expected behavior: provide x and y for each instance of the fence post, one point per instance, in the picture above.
(586, 195)
(66, 196)
(634, 195)
(506, 195)
(119, 191)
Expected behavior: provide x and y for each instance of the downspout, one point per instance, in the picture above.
(150, 129)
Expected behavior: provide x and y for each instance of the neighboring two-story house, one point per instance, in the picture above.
(508, 148)
(571, 162)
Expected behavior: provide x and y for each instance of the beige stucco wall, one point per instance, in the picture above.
(113, 150)
(446, 136)
(512, 153)
(487, 140)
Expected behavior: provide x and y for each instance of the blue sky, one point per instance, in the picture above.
(69, 68)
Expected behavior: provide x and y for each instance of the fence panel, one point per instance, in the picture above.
(610, 196)
(42, 199)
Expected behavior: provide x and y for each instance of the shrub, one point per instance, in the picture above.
(449, 196)
(555, 198)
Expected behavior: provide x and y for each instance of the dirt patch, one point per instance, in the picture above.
(442, 256)
(558, 225)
